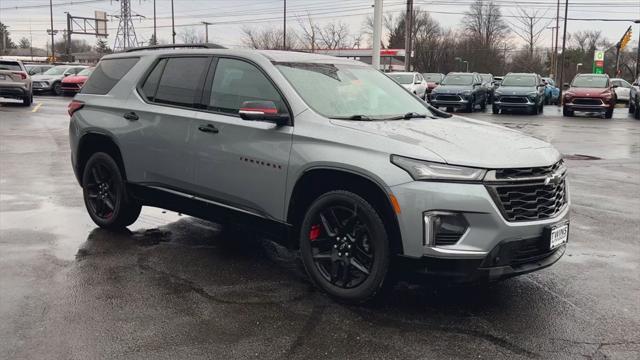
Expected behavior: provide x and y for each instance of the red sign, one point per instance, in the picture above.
(600, 63)
(388, 52)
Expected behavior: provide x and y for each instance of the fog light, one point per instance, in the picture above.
(443, 228)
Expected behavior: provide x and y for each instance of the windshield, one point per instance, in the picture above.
(519, 80)
(58, 70)
(85, 72)
(10, 65)
(402, 78)
(590, 82)
(344, 90)
(458, 80)
(435, 77)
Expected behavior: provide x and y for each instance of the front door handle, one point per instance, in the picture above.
(131, 116)
(208, 128)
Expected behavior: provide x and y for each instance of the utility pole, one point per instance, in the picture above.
(53, 48)
(284, 27)
(377, 34)
(206, 31)
(553, 54)
(173, 25)
(155, 28)
(638, 52)
(555, 48)
(68, 39)
(564, 44)
(408, 32)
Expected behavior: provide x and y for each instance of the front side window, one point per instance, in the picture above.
(432, 77)
(56, 70)
(458, 79)
(182, 80)
(590, 82)
(345, 90)
(236, 81)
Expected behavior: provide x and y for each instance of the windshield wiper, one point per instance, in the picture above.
(407, 116)
(353, 117)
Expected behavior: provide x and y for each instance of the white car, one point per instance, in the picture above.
(412, 81)
(622, 89)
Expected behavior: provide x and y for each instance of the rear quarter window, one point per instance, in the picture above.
(10, 65)
(107, 74)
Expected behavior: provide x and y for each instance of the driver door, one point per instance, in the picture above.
(241, 163)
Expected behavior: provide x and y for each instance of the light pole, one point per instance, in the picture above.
(466, 63)
(578, 68)
(638, 54)
(53, 48)
(284, 26)
(564, 43)
(553, 54)
(155, 28)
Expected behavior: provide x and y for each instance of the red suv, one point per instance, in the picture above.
(590, 93)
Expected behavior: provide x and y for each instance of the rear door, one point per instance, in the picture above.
(242, 163)
(163, 121)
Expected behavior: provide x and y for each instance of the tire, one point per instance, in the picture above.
(105, 194)
(608, 114)
(566, 112)
(56, 89)
(483, 105)
(470, 105)
(350, 263)
(27, 100)
(495, 109)
(631, 109)
(636, 113)
(535, 110)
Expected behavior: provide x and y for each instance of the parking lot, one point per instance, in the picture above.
(179, 287)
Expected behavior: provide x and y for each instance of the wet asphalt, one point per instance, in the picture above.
(175, 287)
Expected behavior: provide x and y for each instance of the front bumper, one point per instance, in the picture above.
(503, 103)
(42, 86)
(462, 101)
(587, 107)
(488, 232)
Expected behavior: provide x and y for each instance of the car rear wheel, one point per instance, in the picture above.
(608, 114)
(344, 246)
(27, 100)
(105, 193)
(495, 109)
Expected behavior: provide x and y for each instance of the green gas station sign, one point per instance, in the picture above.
(598, 62)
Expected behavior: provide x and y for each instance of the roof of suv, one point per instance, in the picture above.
(271, 55)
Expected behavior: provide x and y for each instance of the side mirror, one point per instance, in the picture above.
(565, 86)
(614, 86)
(262, 111)
(437, 82)
(66, 74)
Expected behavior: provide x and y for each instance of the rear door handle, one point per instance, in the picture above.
(208, 128)
(131, 116)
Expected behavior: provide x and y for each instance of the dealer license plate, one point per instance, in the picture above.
(559, 235)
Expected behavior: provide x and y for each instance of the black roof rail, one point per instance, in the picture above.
(177, 46)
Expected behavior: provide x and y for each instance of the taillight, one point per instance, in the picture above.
(23, 75)
(74, 106)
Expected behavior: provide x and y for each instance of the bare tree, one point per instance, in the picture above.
(190, 36)
(529, 25)
(309, 33)
(268, 38)
(334, 35)
(484, 24)
(24, 43)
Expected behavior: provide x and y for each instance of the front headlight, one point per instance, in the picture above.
(425, 170)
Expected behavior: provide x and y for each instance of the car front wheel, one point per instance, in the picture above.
(105, 193)
(344, 246)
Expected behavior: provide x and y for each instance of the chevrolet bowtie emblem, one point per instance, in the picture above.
(554, 179)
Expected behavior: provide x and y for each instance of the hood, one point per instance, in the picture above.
(452, 89)
(463, 141)
(516, 90)
(41, 77)
(75, 79)
(593, 92)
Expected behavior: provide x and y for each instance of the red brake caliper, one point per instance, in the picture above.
(314, 232)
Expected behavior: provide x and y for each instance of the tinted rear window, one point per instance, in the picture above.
(182, 80)
(10, 65)
(107, 75)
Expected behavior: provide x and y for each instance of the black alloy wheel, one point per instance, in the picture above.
(105, 194)
(57, 88)
(344, 246)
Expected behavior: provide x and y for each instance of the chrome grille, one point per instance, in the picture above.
(513, 99)
(527, 194)
(447, 97)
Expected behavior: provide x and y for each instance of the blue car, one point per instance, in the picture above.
(551, 92)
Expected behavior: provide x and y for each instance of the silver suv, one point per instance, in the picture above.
(15, 81)
(327, 155)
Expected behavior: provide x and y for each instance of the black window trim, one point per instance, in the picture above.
(197, 99)
(209, 83)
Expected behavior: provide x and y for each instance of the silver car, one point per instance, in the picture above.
(412, 81)
(51, 80)
(15, 81)
(328, 156)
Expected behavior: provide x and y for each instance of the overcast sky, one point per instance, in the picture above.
(30, 18)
